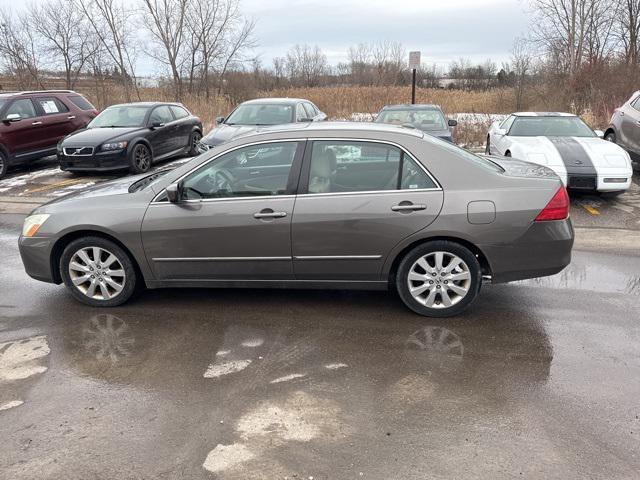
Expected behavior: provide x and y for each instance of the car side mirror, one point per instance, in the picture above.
(599, 133)
(219, 120)
(452, 122)
(306, 119)
(174, 192)
(13, 117)
(156, 125)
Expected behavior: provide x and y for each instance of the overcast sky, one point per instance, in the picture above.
(444, 30)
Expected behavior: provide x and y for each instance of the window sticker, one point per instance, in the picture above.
(49, 106)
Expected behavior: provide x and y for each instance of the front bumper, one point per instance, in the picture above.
(36, 258)
(97, 162)
(545, 249)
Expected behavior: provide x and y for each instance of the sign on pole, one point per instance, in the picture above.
(414, 64)
(414, 60)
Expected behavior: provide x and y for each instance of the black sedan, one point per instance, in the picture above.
(251, 115)
(133, 136)
(428, 118)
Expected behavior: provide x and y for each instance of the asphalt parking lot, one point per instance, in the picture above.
(537, 380)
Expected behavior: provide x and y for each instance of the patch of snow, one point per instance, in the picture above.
(18, 359)
(253, 342)
(216, 370)
(286, 378)
(335, 366)
(226, 456)
(12, 404)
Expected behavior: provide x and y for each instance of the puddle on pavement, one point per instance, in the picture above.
(597, 278)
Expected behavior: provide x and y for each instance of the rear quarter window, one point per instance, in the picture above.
(179, 112)
(81, 102)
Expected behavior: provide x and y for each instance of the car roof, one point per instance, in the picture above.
(17, 93)
(145, 104)
(313, 128)
(408, 106)
(271, 101)
(543, 114)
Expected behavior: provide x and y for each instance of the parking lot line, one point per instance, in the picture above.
(53, 186)
(591, 210)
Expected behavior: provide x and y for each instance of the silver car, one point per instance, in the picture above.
(327, 205)
(624, 128)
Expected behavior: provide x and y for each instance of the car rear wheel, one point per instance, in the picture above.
(4, 164)
(196, 136)
(439, 279)
(610, 137)
(98, 272)
(141, 159)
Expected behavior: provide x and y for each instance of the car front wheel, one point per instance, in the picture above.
(610, 137)
(439, 279)
(4, 164)
(98, 272)
(140, 159)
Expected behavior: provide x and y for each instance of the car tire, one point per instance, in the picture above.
(427, 288)
(4, 164)
(487, 148)
(196, 136)
(93, 281)
(140, 158)
(507, 154)
(610, 137)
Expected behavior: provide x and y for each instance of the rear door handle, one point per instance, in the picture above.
(36, 123)
(268, 213)
(410, 207)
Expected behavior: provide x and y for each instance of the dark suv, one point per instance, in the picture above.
(32, 123)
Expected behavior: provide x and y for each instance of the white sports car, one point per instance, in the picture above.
(564, 143)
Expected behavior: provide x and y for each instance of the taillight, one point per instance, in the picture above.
(557, 208)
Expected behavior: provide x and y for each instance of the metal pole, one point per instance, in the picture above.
(413, 87)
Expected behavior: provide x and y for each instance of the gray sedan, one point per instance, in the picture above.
(328, 205)
(624, 128)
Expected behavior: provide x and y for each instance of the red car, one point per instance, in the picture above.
(32, 123)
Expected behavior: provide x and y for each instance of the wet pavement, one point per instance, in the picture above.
(539, 379)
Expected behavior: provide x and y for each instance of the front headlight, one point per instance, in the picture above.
(33, 223)
(106, 147)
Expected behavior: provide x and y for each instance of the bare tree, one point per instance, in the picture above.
(166, 21)
(19, 51)
(65, 36)
(306, 65)
(112, 24)
(521, 63)
(627, 29)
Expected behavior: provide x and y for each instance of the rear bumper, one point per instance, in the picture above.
(545, 249)
(98, 162)
(36, 257)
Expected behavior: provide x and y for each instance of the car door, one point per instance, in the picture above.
(500, 141)
(57, 120)
(184, 125)
(357, 201)
(630, 127)
(234, 222)
(163, 137)
(24, 136)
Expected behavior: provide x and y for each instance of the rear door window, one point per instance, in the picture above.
(51, 105)
(23, 107)
(161, 114)
(81, 102)
(179, 112)
(354, 166)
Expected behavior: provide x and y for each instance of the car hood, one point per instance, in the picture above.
(224, 132)
(98, 136)
(93, 194)
(570, 152)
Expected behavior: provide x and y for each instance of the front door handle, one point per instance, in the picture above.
(268, 213)
(36, 123)
(71, 117)
(408, 207)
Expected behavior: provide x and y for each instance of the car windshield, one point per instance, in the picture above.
(550, 127)
(121, 116)
(261, 114)
(427, 119)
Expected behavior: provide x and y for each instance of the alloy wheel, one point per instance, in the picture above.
(439, 280)
(142, 158)
(97, 273)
